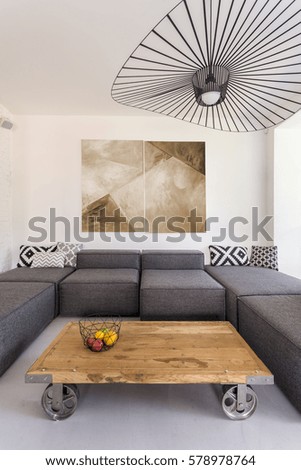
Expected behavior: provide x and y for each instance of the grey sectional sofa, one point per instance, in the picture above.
(265, 306)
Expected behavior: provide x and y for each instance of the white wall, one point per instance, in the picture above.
(47, 171)
(287, 196)
(5, 196)
(270, 177)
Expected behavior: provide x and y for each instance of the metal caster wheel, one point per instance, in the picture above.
(239, 401)
(59, 401)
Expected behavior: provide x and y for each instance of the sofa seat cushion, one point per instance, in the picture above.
(177, 279)
(25, 310)
(248, 281)
(272, 327)
(53, 275)
(14, 296)
(100, 292)
(281, 312)
(103, 276)
(180, 295)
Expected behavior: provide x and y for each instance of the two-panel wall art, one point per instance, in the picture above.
(146, 186)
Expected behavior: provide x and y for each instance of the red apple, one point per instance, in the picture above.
(90, 341)
(97, 345)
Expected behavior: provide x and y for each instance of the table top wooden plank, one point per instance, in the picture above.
(153, 352)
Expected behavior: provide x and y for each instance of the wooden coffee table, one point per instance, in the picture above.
(152, 353)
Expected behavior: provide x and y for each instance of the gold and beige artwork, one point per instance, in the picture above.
(131, 186)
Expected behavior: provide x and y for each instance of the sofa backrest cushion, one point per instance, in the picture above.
(171, 259)
(108, 259)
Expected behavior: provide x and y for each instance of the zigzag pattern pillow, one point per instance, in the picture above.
(264, 257)
(27, 252)
(48, 260)
(228, 255)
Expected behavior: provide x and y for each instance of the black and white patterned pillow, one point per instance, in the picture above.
(228, 255)
(48, 260)
(264, 257)
(70, 251)
(27, 252)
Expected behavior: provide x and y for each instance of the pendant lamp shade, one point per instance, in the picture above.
(232, 65)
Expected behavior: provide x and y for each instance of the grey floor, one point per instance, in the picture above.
(148, 417)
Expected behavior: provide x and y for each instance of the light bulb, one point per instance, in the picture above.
(211, 97)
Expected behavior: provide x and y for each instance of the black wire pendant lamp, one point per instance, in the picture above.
(233, 65)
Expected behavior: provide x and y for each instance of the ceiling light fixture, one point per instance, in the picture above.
(229, 65)
(210, 85)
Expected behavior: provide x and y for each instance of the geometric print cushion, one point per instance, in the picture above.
(48, 260)
(228, 255)
(264, 257)
(27, 253)
(70, 251)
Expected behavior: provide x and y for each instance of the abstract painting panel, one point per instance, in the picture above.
(174, 185)
(112, 184)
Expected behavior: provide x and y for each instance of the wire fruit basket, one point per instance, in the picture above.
(100, 334)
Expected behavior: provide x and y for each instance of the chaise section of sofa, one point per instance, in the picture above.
(174, 286)
(25, 310)
(272, 327)
(105, 283)
(44, 275)
(241, 281)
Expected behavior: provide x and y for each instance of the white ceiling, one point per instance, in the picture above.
(62, 56)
